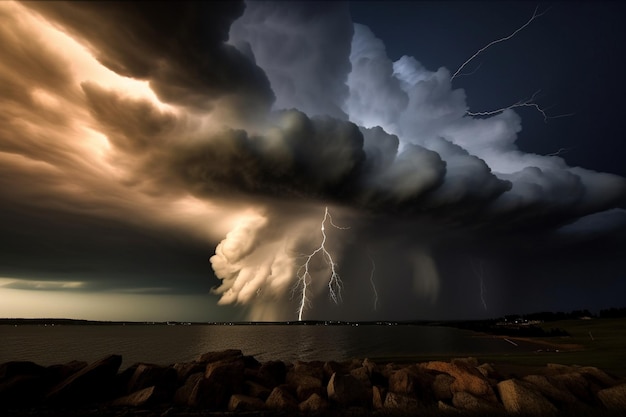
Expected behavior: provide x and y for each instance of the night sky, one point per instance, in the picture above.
(183, 161)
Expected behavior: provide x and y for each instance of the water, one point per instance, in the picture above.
(165, 345)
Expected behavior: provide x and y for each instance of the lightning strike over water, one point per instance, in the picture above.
(372, 281)
(480, 273)
(335, 285)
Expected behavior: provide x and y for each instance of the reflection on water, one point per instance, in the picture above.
(169, 344)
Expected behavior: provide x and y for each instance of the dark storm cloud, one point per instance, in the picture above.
(178, 46)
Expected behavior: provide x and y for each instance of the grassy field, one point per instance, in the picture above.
(597, 342)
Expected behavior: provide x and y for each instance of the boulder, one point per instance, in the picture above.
(281, 399)
(468, 402)
(597, 377)
(221, 380)
(147, 375)
(553, 390)
(469, 361)
(94, 382)
(183, 370)
(143, 397)
(412, 381)
(254, 389)
(363, 375)
(466, 379)
(239, 402)
(304, 384)
(22, 390)
(223, 356)
(378, 397)
(519, 397)
(15, 368)
(314, 404)
(346, 390)
(272, 373)
(441, 387)
(614, 398)
(576, 384)
(332, 367)
(401, 403)
(314, 369)
(446, 408)
(187, 394)
(57, 373)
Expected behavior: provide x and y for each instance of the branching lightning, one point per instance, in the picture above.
(490, 44)
(530, 102)
(335, 285)
(372, 281)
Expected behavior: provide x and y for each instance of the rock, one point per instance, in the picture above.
(254, 389)
(183, 370)
(469, 361)
(223, 356)
(239, 402)
(332, 367)
(441, 387)
(378, 397)
(314, 369)
(304, 384)
(281, 399)
(15, 368)
(597, 376)
(346, 390)
(362, 375)
(447, 408)
(314, 404)
(488, 371)
(22, 390)
(272, 373)
(94, 382)
(147, 375)
(143, 397)
(412, 381)
(466, 379)
(468, 402)
(518, 397)
(401, 403)
(221, 380)
(614, 398)
(557, 369)
(552, 390)
(186, 394)
(57, 373)
(576, 384)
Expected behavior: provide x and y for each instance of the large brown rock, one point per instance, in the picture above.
(304, 384)
(402, 403)
(314, 404)
(576, 384)
(412, 381)
(254, 389)
(468, 402)
(239, 402)
(147, 375)
(362, 374)
(346, 390)
(614, 398)
(144, 397)
(314, 369)
(59, 372)
(553, 390)
(92, 383)
(281, 399)
(272, 373)
(466, 379)
(221, 380)
(519, 397)
(15, 368)
(441, 386)
(188, 393)
(378, 397)
(183, 370)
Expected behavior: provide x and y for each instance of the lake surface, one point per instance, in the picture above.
(165, 345)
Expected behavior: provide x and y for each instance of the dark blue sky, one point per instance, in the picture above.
(572, 53)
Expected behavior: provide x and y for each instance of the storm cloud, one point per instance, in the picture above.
(222, 130)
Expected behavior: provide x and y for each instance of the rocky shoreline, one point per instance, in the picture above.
(228, 382)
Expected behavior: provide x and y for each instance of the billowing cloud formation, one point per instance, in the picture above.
(220, 121)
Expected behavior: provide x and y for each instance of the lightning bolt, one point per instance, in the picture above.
(303, 275)
(490, 44)
(372, 281)
(522, 103)
(480, 273)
